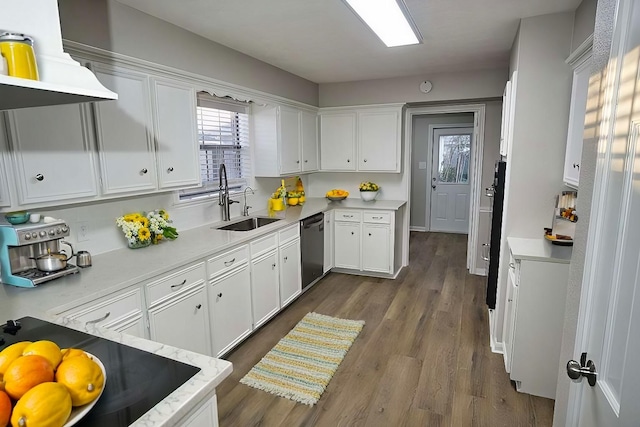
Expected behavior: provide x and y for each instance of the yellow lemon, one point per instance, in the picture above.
(45, 405)
(72, 352)
(82, 377)
(47, 349)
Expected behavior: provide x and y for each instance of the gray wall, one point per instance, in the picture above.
(583, 22)
(446, 87)
(421, 152)
(115, 27)
(602, 36)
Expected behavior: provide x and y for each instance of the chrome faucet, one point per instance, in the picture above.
(245, 209)
(223, 194)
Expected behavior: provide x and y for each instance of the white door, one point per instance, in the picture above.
(609, 320)
(450, 180)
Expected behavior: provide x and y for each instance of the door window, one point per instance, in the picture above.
(453, 161)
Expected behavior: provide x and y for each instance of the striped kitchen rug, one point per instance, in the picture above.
(301, 365)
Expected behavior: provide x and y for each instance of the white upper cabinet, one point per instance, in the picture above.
(52, 153)
(505, 127)
(5, 171)
(577, 111)
(309, 137)
(361, 139)
(286, 140)
(124, 132)
(338, 141)
(176, 140)
(379, 140)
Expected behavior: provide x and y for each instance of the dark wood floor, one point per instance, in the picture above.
(422, 359)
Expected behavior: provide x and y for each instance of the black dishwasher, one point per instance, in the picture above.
(312, 242)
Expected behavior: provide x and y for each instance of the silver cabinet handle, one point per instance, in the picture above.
(179, 284)
(285, 259)
(369, 234)
(273, 265)
(170, 169)
(220, 295)
(39, 177)
(485, 246)
(365, 160)
(376, 217)
(512, 265)
(228, 263)
(199, 306)
(348, 161)
(143, 171)
(105, 317)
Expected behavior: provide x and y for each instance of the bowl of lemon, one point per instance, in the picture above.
(337, 194)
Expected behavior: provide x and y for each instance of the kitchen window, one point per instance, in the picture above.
(223, 137)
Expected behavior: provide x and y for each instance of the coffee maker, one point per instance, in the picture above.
(21, 244)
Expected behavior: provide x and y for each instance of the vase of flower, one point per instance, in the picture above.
(139, 244)
(368, 191)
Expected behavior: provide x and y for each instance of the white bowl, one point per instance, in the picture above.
(368, 196)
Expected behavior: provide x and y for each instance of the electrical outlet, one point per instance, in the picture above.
(83, 231)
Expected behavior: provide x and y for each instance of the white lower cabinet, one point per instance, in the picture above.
(347, 245)
(265, 295)
(182, 321)
(230, 302)
(205, 416)
(533, 324)
(121, 312)
(364, 240)
(328, 241)
(290, 272)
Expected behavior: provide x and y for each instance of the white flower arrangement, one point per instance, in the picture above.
(142, 229)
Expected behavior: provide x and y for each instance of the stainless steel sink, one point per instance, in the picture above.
(248, 224)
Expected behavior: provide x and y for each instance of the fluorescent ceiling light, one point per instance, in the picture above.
(389, 19)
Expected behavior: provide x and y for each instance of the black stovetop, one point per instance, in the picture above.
(136, 380)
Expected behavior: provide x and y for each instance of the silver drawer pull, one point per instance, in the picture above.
(179, 284)
(228, 263)
(105, 317)
(376, 217)
(348, 216)
(512, 265)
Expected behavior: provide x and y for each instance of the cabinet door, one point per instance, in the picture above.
(309, 137)
(379, 140)
(575, 134)
(290, 272)
(205, 416)
(182, 321)
(347, 245)
(376, 248)
(132, 326)
(289, 140)
(5, 171)
(265, 294)
(230, 302)
(510, 319)
(177, 147)
(328, 240)
(338, 141)
(124, 132)
(505, 127)
(52, 153)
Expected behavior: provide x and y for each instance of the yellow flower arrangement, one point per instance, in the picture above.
(369, 186)
(142, 229)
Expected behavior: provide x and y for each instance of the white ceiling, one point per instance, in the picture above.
(324, 41)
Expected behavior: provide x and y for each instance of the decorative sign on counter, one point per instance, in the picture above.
(141, 229)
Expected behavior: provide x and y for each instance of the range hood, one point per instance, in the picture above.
(62, 79)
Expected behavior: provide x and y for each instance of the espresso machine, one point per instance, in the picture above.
(20, 245)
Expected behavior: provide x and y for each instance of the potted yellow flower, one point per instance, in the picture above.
(368, 190)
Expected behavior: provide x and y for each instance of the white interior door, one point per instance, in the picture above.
(450, 180)
(609, 321)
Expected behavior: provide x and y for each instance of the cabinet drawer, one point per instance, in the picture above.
(377, 217)
(168, 285)
(289, 233)
(227, 260)
(350, 216)
(264, 244)
(109, 309)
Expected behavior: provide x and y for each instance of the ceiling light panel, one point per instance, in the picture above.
(391, 22)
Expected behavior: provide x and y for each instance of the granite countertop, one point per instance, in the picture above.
(539, 249)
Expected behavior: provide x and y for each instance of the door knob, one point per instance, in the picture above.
(577, 370)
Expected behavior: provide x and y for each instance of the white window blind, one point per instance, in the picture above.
(223, 137)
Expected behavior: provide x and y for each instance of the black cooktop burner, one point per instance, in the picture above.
(136, 380)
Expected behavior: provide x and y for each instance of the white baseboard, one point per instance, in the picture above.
(496, 346)
(479, 271)
(412, 228)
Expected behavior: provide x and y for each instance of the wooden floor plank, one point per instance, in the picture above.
(422, 359)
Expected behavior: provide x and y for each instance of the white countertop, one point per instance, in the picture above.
(538, 249)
